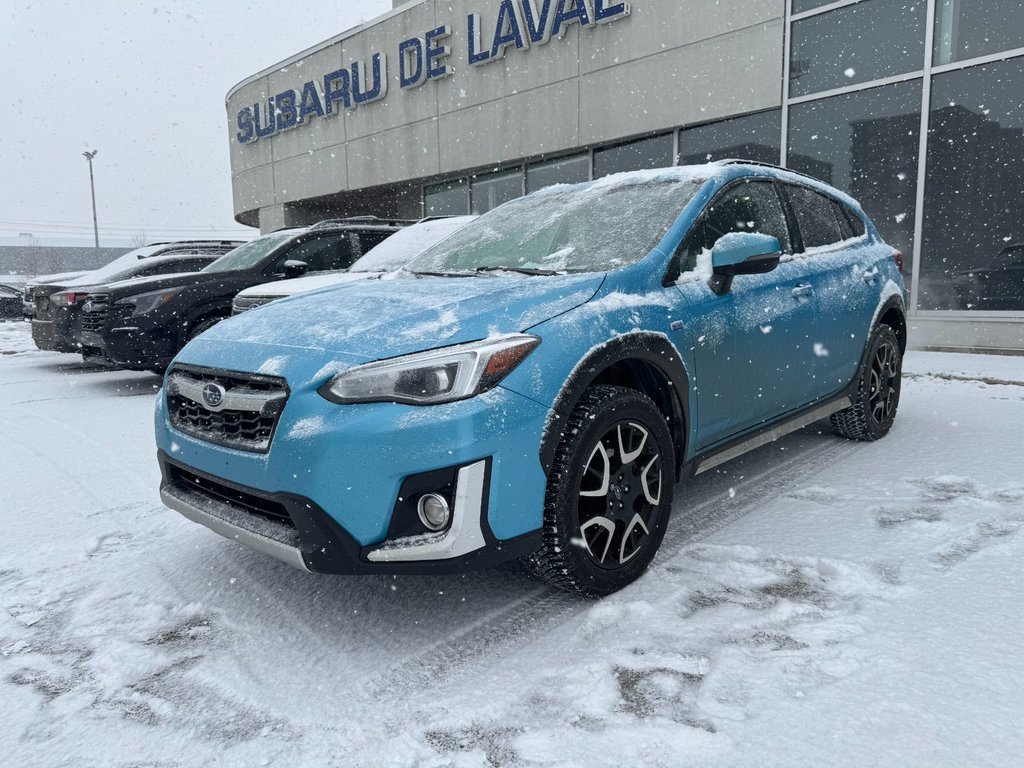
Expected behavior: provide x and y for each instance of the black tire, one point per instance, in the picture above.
(878, 390)
(583, 524)
(203, 325)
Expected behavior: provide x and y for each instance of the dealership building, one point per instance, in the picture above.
(914, 107)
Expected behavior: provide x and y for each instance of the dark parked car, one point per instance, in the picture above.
(141, 324)
(57, 305)
(28, 299)
(999, 287)
(10, 302)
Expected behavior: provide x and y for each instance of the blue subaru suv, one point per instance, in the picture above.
(533, 386)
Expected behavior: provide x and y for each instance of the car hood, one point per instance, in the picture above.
(137, 285)
(303, 284)
(378, 319)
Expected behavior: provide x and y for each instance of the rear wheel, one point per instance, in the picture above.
(878, 390)
(609, 494)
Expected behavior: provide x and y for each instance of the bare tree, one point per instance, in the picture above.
(139, 240)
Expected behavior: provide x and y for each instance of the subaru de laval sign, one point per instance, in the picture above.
(516, 24)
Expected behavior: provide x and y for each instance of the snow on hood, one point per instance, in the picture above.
(375, 319)
(303, 284)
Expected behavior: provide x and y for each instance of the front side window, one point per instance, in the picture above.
(748, 207)
(322, 254)
(815, 216)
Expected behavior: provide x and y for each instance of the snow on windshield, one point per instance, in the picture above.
(406, 244)
(582, 228)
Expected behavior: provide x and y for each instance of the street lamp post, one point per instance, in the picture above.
(92, 188)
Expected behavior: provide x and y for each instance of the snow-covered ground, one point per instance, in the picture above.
(817, 602)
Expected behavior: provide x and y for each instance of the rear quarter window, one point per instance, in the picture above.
(815, 217)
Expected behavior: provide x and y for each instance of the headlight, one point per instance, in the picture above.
(147, 302)
(438, 376)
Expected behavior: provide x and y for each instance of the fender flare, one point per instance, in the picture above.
(655, 350)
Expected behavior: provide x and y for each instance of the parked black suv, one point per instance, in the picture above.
(57, 304)
(141, 324)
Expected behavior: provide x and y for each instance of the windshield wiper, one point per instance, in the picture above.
(520, 270)
(438, 274)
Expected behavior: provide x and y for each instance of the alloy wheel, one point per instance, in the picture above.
(620, 489)
(883, 390)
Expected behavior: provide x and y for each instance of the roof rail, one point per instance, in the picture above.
(363, 220)
(762, 164)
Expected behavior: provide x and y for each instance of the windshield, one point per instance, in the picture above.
(406, 244)
(591, 228)
(252, 253)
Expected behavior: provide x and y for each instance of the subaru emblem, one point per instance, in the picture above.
(213, 395)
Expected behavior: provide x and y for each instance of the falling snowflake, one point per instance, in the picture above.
(820, 350)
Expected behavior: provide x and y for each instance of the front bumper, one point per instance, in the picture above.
(130, 347)
(342, 477)
(311, 540)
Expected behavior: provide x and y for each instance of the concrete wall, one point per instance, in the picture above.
(45, 260)
(666, 65)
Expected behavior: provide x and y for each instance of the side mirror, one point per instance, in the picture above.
(295, 268)
(742, 253)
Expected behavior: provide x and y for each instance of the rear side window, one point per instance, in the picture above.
(853, 221)
(750, 207)
(370, 240)
(816, 217)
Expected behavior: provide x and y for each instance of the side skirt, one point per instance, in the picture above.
(768, 434)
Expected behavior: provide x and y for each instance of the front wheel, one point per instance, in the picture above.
(878, 390)
(609, 494)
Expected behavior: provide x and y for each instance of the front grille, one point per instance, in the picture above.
(234, 498)
(244, 418)
(95, 310)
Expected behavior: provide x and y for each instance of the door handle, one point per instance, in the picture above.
(869, 275)
(803, 291)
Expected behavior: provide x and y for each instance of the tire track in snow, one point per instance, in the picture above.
(699, 510)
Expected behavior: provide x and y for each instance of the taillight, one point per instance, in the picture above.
(67, 298)
(897, 256)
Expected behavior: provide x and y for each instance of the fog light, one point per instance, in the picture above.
(433, 511)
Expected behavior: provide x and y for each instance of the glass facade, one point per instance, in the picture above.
(752, 137)
(865, 143)
(974, 190)
(857, 43)
(652, 152)
(967, 29)
(567, 170)
(492, 190)
(448, 199)
(953, 202)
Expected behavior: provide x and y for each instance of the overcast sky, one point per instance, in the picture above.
(144, 84)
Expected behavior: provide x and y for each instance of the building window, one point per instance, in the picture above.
(973, 231)
(492, 190)
(567, 170)
(751, 137)
(448, 199)
(857, 43)
(653, 152)
(866, 144)
(799, 6)
(966, 29)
